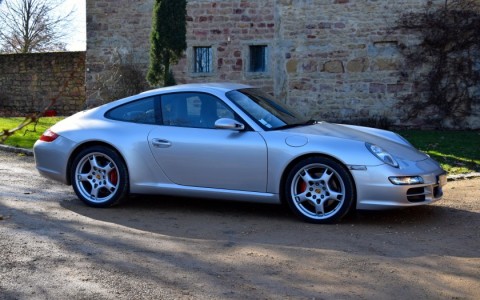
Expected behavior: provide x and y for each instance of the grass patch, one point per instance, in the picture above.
(457, 151)
(26, 137)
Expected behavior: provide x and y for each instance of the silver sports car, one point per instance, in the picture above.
(234, 142)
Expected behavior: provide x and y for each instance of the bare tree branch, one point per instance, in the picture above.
(31, 26)
(446, 62)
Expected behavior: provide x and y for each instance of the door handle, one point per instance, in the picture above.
(161, 143)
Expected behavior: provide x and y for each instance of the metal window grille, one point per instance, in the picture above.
(203, 59)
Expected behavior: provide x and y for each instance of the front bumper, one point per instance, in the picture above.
(376, 192)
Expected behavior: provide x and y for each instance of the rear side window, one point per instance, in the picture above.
(144, 111)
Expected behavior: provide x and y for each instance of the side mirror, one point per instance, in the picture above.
(226, 123)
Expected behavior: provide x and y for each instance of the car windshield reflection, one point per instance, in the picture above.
(267, 112)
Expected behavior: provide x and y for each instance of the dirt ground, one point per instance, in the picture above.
(54, 247)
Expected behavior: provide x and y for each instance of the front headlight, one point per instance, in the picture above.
(382, 155)
(406, 180)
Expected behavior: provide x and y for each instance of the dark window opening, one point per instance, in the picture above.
(258, 59)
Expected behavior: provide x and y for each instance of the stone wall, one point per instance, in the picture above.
(229, 28)
(28, 82)
(116, 31)
(339, 61)
(335, 60)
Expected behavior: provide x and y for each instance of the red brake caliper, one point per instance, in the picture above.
(302, 186)
(113, 176)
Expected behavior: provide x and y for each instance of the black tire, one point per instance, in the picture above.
(319, 190)
(99, 177)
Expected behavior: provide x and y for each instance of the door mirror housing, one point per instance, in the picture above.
(227, 123)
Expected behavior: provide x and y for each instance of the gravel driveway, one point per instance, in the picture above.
(54, 247)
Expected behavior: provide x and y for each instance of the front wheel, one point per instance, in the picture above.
(319, 190)
(99, 177)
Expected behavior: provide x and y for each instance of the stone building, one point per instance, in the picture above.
(333, 59)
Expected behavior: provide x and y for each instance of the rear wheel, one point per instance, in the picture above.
(99, 177)
(319, 190)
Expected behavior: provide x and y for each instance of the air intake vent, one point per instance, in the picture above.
(417, 194)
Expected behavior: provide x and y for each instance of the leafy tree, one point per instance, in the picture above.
(31, 26)
(167, 39)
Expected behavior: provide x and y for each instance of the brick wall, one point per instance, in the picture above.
(335, 60)
(28, 82)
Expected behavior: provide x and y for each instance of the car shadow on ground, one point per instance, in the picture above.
(233, 223)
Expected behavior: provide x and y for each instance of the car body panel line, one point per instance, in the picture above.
(202, 192)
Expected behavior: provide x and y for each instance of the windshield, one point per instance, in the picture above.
(265, 111)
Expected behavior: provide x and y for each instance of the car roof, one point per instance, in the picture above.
(211, 86)
(215, 87)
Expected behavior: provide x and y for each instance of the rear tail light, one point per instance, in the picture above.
(49, 136)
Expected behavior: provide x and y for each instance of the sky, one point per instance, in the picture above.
(76, 41)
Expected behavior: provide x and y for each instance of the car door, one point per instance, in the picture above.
(192, 152)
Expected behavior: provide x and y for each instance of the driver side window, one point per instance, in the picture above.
(196, 110)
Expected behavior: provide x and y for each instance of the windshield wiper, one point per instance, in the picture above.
(309, 122)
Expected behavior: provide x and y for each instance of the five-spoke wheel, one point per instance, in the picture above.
(319, 190)
(99, 177)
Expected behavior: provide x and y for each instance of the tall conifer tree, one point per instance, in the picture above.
(167, 40)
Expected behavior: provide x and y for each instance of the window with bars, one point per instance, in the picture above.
(202, 59)
(258, 58)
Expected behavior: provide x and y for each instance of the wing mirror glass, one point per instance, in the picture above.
(226, 123)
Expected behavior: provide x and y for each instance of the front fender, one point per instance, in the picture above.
(281, 155)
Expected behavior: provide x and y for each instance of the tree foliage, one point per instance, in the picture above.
(447, 58)
(31, 26)
(167, 40)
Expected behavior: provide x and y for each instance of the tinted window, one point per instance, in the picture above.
(193, 110)
(141, 111)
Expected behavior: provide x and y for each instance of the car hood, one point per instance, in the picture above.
(388, 140)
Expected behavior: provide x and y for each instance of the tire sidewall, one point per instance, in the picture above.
(123, 188)
(344, 175)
